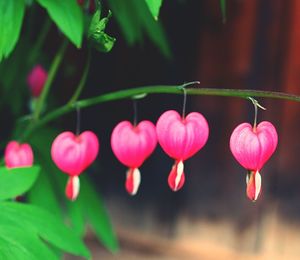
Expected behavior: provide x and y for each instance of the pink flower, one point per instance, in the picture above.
(252, 148)
(36, 80)
(72, 155)
(181, 138)
(132, 145)
(18, 155)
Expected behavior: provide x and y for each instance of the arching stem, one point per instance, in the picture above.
(143, 91)
(83, 79)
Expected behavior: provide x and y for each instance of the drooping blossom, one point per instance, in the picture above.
(36, 80)
(252, 147)
(18, 155)
(72, 154)
(181, 138)
(132, 145)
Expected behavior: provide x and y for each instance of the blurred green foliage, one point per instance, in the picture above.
(154, 6)
(68, 16)
(16, 181)
(36, 230)
(27, 231)
(11, 18)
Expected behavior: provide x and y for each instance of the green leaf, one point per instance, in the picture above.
(76, 214)
(42, 186)
(223, 10)
(45, 225)
(154, 6)
(135, 18)
(11, 17)
(68, 17)
(97, 215)
(17, 244)
(100, 40)
(16, 181)
(103, 42)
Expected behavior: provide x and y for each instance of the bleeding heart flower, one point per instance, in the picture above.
(36, 80)
(18, 155)
(252, 147)
(181, 137)
(132, 145)
(72, 154)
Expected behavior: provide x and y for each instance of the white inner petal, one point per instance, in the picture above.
(136, 176)
(179, 172)
(257, 184)
(75, 187)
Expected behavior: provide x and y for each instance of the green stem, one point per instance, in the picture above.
(255, 117)
(223, 10)
(82, 80)
(129, 93)
(51, 75)
(40, 41)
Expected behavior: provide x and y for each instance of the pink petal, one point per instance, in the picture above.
(181, 138)
(18, 155)
(133, 145)
(252, 148)
(73, 154)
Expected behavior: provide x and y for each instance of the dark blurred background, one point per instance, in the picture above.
(210, 218)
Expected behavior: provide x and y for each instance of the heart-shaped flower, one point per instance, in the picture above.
(181, 137)
(132, 145)
(72, 154)
(252, 147)
(18, 155)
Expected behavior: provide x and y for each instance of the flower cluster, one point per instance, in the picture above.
(179, 136)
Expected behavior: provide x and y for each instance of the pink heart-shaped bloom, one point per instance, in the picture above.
(73, 154)
(18, 155)
(36, 80)
(181, 137)
(132, 145)
(252, 148)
